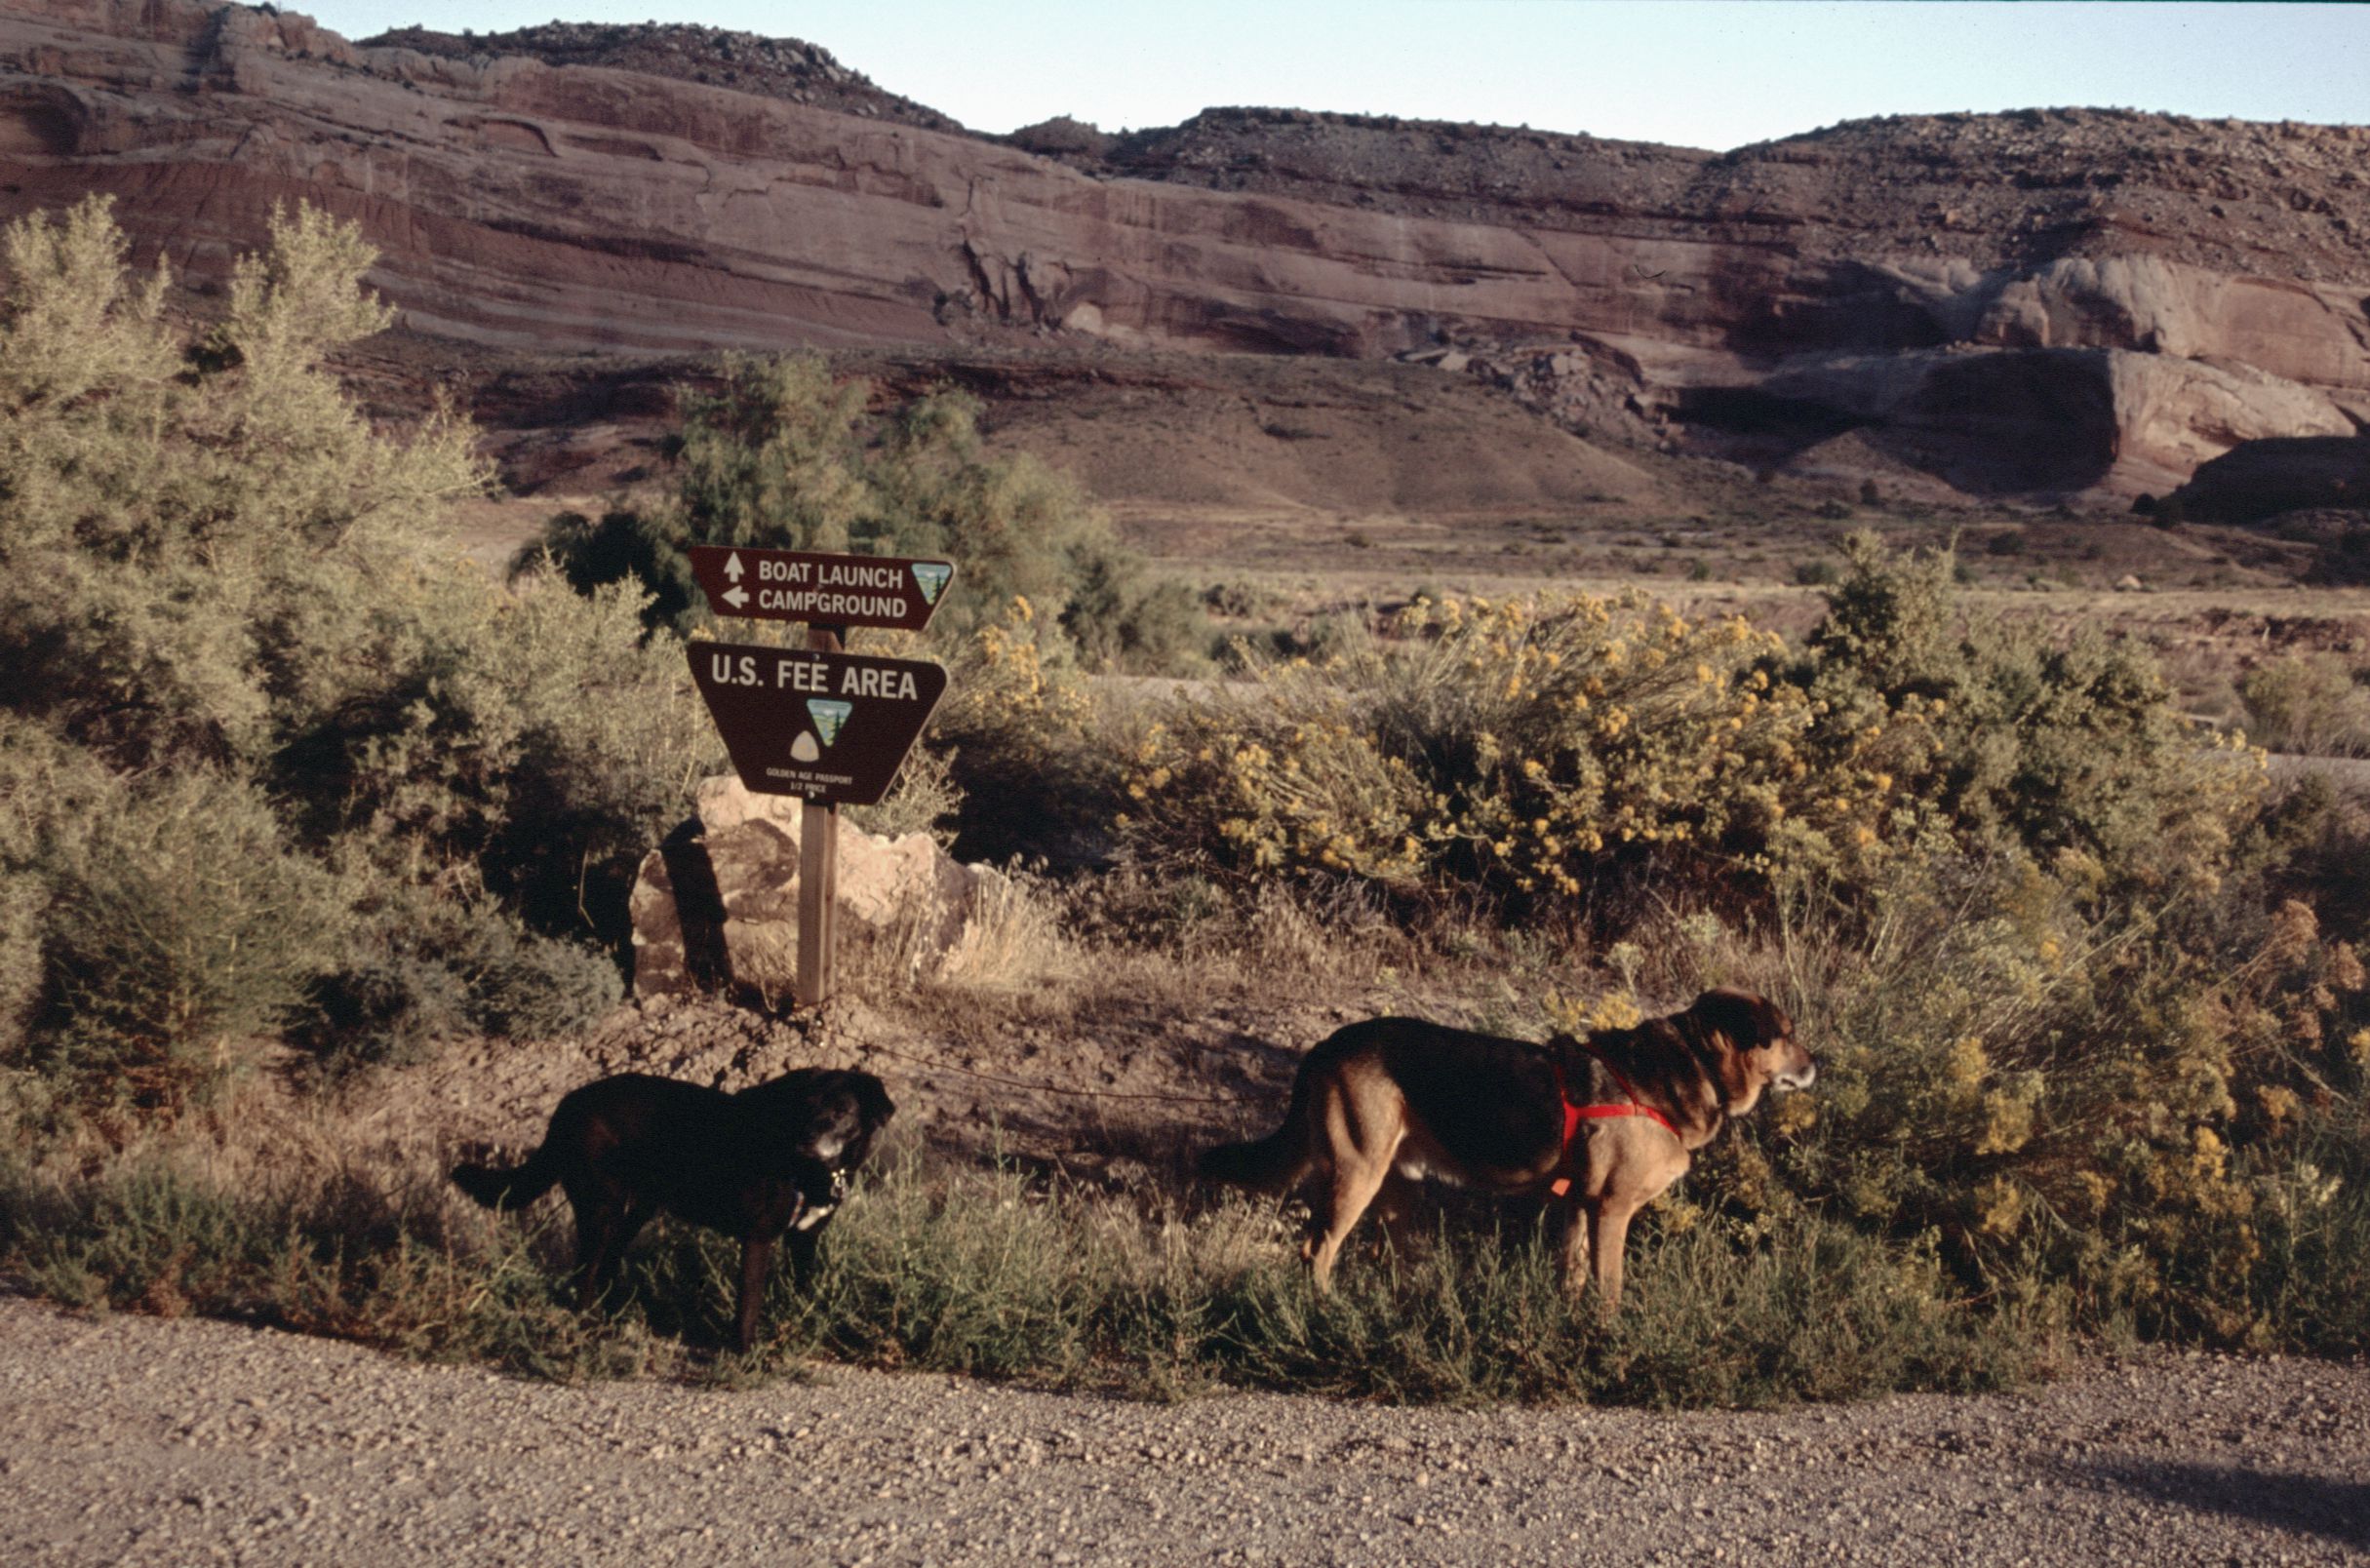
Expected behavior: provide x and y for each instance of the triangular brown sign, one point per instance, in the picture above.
(832, 727)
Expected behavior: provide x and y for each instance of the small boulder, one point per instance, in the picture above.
(715, 906)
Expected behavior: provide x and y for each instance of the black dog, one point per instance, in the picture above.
(770, 1159)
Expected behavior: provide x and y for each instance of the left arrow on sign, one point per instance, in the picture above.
(735, 595)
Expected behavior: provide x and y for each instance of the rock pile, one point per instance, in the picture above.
(715, 907)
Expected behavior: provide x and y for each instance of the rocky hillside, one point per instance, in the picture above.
(2042, 304)
(713, 57)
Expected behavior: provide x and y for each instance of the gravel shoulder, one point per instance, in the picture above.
(138, 1440)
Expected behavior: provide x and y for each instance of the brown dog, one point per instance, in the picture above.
(1606, 1125)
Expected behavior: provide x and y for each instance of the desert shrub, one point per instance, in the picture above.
(2311, 703)
(1122, 621)
(2135, 1112)
(21, 900)
(1541, 753)
(256, 703)
(527, 733)
(2007, 738)
(230, 564)
(51, 794)
(2314, 839)
(183, 924)
(926, 798)
(425, 967)
(773, 456)
(1027, 745)
(1234, 600)
(386, 1008)
(530, 986)
(186, 545)
(780, 455)
(1577, 752)
(620, 546)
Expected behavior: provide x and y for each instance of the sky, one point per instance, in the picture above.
(1700, 73)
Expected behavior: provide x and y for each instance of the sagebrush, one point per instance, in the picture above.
(272, 746)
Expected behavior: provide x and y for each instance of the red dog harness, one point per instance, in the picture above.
(1574, 1114)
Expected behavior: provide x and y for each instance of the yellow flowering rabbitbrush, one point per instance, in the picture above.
(1515, 746)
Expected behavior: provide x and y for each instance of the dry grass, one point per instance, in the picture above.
(999, 1273)
(1053, 1237)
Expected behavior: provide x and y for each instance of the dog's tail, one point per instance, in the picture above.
(1273, 1164)
(513, 1187)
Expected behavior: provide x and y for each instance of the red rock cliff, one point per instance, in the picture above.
(2049, 301)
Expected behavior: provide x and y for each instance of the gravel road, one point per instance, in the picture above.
(137, 1440)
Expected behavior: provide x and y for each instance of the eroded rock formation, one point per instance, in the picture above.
(2039, 303)
(2268, 478)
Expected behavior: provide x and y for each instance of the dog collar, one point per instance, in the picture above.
(1574, 1114)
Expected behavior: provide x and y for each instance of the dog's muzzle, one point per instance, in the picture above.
(1799, 1081)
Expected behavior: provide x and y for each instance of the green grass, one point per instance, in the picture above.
(989, 1272)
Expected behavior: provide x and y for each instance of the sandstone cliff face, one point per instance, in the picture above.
(2044, 302)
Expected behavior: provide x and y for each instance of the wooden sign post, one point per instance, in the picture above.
(819, 723)
(819, 873)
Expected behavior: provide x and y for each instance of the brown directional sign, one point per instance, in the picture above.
(823, 590)
(830, 726)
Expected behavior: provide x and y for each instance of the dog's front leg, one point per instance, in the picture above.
(1608, 1234)
(804, 1248)
(1579, 1217)
(755, 1259)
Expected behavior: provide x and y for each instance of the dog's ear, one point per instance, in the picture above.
(1747, 1018)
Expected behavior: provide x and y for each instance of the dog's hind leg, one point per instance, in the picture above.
(604, 1231)
(755, 1261)
(1356, 1180)
(1395, 1204)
